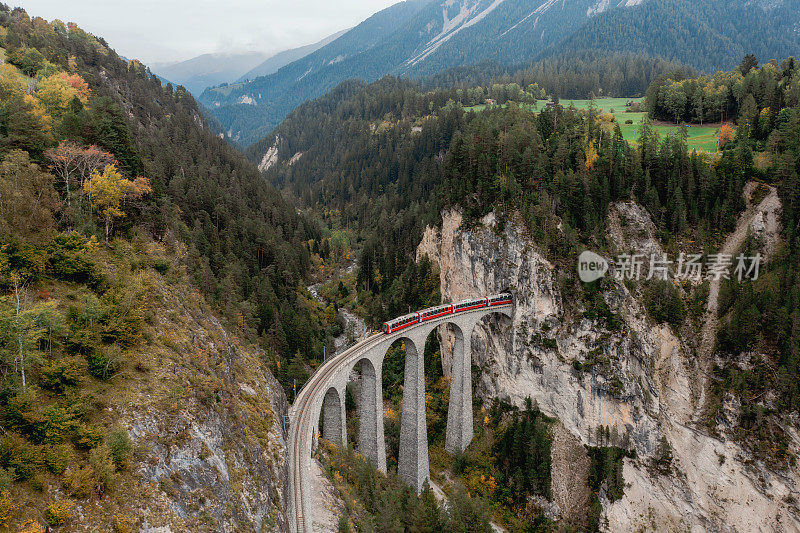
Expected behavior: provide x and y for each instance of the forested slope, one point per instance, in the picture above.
(150, 284)
(706, 34)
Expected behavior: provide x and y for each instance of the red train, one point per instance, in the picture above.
(432, 313)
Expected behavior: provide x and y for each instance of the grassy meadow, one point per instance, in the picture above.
(701, 138)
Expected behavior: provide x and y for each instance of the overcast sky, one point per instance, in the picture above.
(167, 30)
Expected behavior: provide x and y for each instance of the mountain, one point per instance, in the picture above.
(211, 70)
(707, 34)
(208, 70)
(280, 59)
(251, 110)
(413, 39)
(423, 39)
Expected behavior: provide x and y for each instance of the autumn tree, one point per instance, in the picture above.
(108, 189)
(24, 123)
(57, 91)
(724, 135)
(70, 161)
(64, 163)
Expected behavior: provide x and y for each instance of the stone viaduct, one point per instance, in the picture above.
(324, 395)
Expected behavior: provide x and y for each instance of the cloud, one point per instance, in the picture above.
(169, 30)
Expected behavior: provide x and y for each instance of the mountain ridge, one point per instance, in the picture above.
(207, 70)
(275, 62)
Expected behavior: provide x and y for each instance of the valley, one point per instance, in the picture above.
(422, 275)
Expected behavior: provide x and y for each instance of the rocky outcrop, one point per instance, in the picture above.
(271, 157)
(206, 419)
(628, 374)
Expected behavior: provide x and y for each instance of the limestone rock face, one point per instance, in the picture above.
(635, 378)
(207, 424)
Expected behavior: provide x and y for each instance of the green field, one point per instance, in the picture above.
(700, 137)
(603, 104)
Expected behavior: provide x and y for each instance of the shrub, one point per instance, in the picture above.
(60, 374)
(26, 413)
(80, 482)
(87, 436)
(6, 478)
(20, 456)
(82, 339)
(123, 318)
(161, 266)
(57, 423)
(120, 446)
(68, 260)
(20, 410)
(6, 507)
(57, 457)
(121, 524)
(59, 512)
(31, 526)
(103, 363)
(103, 466)
(662, 460)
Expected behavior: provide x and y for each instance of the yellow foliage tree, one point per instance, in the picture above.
(11, 79)
(108, 189)
(57, 91)
(591, 155)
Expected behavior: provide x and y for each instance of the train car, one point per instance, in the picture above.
(435, 312)
(499, 299)
(400, 323)
(432, 313)
(467, 305)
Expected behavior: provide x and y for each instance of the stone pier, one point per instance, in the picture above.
(370, 416)
(412, 462)
(413, 465)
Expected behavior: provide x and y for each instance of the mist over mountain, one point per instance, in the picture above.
(208, 69)
(273, 63)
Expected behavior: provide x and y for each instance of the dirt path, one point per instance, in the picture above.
(708, 335)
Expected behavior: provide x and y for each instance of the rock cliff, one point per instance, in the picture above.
(629, 375)
(206, 420)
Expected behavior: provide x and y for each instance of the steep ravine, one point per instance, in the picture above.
(642, 391)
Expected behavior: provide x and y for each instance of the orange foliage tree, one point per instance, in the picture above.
(724, 136)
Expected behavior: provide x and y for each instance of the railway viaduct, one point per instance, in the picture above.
(324, 394)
